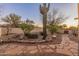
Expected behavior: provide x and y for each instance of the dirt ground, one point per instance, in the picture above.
(67, 47)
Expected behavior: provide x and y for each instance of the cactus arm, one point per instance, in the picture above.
(48, 6)
(40, 9)
(44, 4)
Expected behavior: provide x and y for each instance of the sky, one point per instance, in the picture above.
(31, 11)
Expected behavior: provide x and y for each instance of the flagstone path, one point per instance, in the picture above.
(67, 47)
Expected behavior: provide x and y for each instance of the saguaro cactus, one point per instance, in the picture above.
(44, 8)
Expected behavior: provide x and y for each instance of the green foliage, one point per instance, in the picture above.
(64, 25)
(29, 28)
(53, 28)
(73, 28)
(26, 27)
(23, 26)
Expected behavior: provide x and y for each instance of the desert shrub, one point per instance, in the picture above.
(26, 27)
(66, 32)
(53, 28)
(31, 36)
(74, 30)
(41, 33)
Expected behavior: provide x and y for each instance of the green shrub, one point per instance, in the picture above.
(26, 27)
(31, 36)
(53, 28)
(73, 28)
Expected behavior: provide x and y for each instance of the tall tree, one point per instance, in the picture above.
(28, 21)
(56, 17)
(12, 19)
(43, 10)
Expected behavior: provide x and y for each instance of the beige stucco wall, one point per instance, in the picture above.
(3, 31)
(16, 30)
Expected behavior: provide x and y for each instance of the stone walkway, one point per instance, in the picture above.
(66, 47)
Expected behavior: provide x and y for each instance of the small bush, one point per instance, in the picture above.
(31, 36)
(26, 27)
(74, 32)
(41, 33)
(66, 32)
(53, 28)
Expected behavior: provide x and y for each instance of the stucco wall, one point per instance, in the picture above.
(16, 30)
(3, 31)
